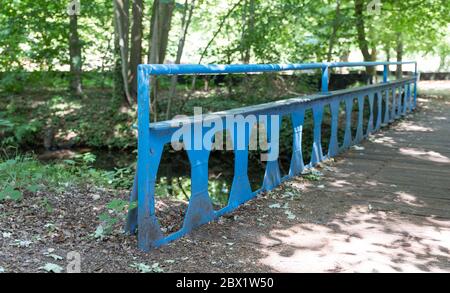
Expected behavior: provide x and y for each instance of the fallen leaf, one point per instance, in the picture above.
(170, 261)
(358, 148)
(22, 243)
(142, 268)
(54, 256)
(99, 232)
(290, 215)
(52, 268)
(156, 268)
(275, 206)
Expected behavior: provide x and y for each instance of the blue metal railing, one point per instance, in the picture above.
(396, 96)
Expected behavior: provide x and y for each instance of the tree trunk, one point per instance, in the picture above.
(399, 50)
(336, 24)
(160, 24)
(75, 57)
(160, 27)
(165, 22)
(373, 72)
(387, 50)
(153, 39)
(136, 46)
(361, 35)
(121, 16)
(361, 30)
(187, 17)
(248, 20)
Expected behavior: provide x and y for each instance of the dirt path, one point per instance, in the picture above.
(381, 207)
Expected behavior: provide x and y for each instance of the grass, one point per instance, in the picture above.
(24, 174)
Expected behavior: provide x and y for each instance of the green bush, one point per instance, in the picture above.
(13, 82)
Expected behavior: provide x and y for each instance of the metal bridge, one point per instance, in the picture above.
(397, 98)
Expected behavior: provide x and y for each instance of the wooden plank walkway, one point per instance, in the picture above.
(396, 186)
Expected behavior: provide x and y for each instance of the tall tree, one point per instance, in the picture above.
(248, 27)
(185, 22)
(75, 56)
(336, 25)
(136, 45)
(160, 24)
(121, 24)
(361, 34)
(399, 51)
(361, 30)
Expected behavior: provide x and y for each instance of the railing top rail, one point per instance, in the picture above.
(179, 69)
(175, 123)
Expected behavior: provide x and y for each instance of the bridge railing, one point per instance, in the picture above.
(397, 97)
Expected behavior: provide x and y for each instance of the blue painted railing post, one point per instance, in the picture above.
(398, 101)
(272, 176)
(408, 91)
(317, 152)
(145, 199)
(241, 190)
(386, 108)
(325, 80)
(348, 122)
(405, 100)
(360, 127)
(297, 163)
(370, 123)
(416, 74)
(385, 73)
(200, 209)
(394, 105)
(386, 97)
(379, 112)
(333, 149)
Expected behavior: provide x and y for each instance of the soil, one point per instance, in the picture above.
(30, 231)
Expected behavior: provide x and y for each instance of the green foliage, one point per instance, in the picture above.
(117, 211)
(9, 193)
(13, 82)
(47, 205)
(95, 122)
(16, 129)
(34, 34)
(19, 175)
(24, 174)
(121, 178)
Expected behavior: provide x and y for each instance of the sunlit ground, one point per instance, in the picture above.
(361, 242)
(433, 87)
(398, 193)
